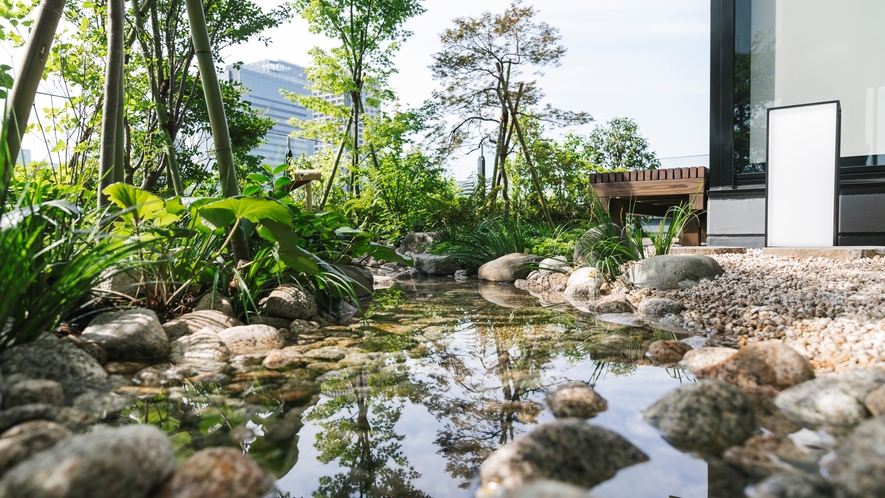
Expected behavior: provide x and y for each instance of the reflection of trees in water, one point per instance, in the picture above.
(359, 434)
(753, 76)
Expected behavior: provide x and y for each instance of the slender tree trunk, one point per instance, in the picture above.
(355, 159)
(217, 119)
(113, 73)
(162, 111)
(337, 162)
(528, 159)
(119, 139)
(24, 89)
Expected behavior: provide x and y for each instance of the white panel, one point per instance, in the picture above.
(802, 151)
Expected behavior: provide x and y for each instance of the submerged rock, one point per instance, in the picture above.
(567, 450)
(699, 341)
(129, 335)
(545, 488)
(672, 271)
(667, 351)
(708, 416)
(612, 304)
(290, 301)
(247, 339)
(436, 265)
(858, 463)
(576, 399)
(834, 400)
(762, 365)
(128, 461)
(191, 323)
(508, 268)
(217, 472)
(25, 440)
(507, 296)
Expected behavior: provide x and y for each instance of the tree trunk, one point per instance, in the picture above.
(24, 89)
(337, 162)
(113, 74)
(528, 158)
(355, 159)
(119, 139)
(217, 119)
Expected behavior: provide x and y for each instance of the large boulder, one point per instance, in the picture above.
(834, 400)
(54, 359)
(771, 365)
(196, 321)
(708, 416)
(508, 268)
(27, 439)
(672, 271)
(129, 335)
(217, 472)
(111, 463)
(248, 339)
(291, 301)
(417, 242)
(568, 450)
(436, 265)
(858, 462)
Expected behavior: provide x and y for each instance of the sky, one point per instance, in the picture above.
(644, 59)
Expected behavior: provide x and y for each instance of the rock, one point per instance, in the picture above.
(31, 391)
(123, 282)
(204, 345)
(24, 440)
(766, 454)
(417, 242)
(673, 271)
(299, 327)
(708, 416)
(543, 281)
(383, 281)
(667, 351)
(546, 488)
(659, 306)
(699, 341)
(410, 274)
(625, 319)
(290, 301)
(247, 362)
(875, 401)
(281, 359)
(436, 265)
(791, 486)
(217, 302)
(583, 285)
(567, 450)
(834, 400)
(858, 463)
(577, 400)
(53, 359)
(363, 281)
(508, 268)
(506, 295)
(329, 353)
(106, 404)
(91, 348)
(124, 462)
(612, 304)
(125, 367)
(129, 335)
(461, 275)
(277, 323)
(196, 321)
(25, 413)
(217, 472)
(247, 339)
(762, 365)
(699, 359)
(555, 264)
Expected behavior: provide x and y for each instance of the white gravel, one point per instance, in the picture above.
(833, 312)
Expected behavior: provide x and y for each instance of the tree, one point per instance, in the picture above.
(370, 32)
(479, 69)
(618, 146)
(113, 95)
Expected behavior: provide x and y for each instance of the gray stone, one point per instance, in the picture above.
(204, 345)
(217, 472)
(699, 341)
(543, 280)
(612, 304)
(53, 359)
(196, 321)
(461, 275)
(506, 295)
(834, 400)
(436, 265)
(125, 462)
(290, 301)
(91, 348)
(217, 302)
(705, 357)
(556, 264)
(567, 450)
(251, 339)
(875, 401)
(576, 399)
(277, 323)
(128, 335)
(299, 327)
(673, 271)
(27, 439)
(383, 281)
(123, 282)
(791, 486)
(508, 268)
(659, 306)
(31, 391)
(708, 416)
(417, 242)
(769, 364)
(667, 351)
(105, 404)
(363, 281)
(858, 463)
(25, 413)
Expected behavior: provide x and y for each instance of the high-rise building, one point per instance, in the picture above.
(264, 80)
(346, 101)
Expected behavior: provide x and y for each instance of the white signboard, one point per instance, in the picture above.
(802, 175)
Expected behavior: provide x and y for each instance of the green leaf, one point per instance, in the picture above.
(251, 190)
(281, 182)
(258, 177)
(139, 202)
(291, 253)
(255, 209)
(279, 169)
(175, 206)
(385, 253)
(348, 231)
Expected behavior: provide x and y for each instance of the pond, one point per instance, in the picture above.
(449, 377)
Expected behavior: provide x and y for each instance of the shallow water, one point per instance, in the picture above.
(454, 377)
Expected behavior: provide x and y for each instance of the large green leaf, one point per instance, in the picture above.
(140, 203)
(292, 254)
(255, 209)
(385, 253)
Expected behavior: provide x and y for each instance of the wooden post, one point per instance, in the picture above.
(308, 198)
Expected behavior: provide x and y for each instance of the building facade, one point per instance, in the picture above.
(264, 80)
(774, 53)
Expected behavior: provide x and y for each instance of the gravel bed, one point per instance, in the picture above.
(833, 312)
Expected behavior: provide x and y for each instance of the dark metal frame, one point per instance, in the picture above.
(836, 180)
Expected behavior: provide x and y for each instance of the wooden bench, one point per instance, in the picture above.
(653, 192)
